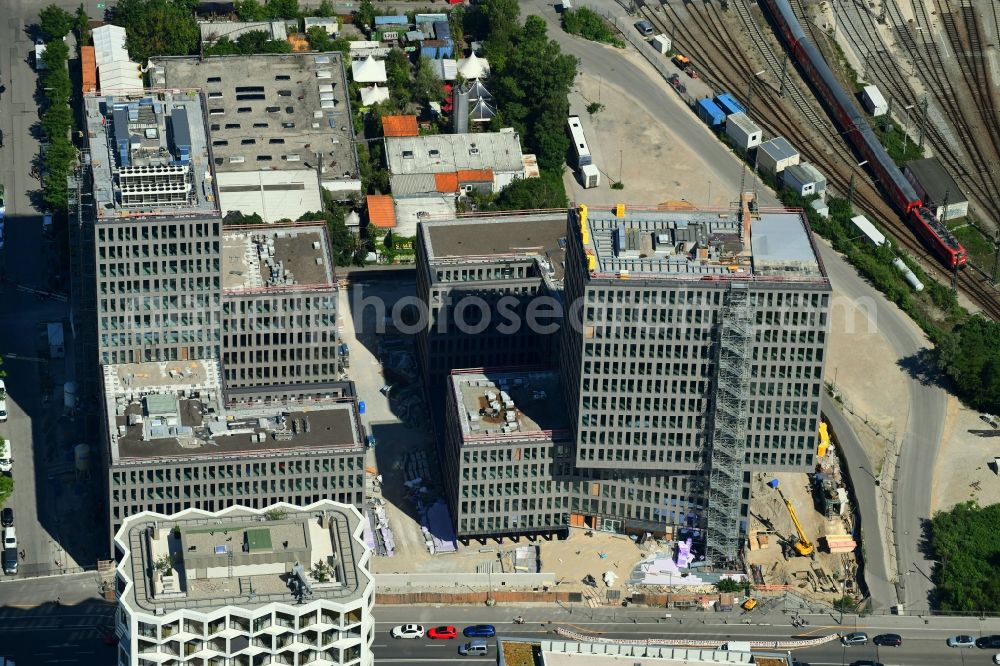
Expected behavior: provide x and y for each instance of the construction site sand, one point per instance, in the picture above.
(766, 503)
(862, 366)
(962, 471)
(666, 169)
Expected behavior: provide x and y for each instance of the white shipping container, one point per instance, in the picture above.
(743, 132)
(874, 102)
(590, 176)
(661, 43)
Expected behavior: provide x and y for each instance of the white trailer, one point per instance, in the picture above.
(590, 176)
(874, 102)
(661, 43)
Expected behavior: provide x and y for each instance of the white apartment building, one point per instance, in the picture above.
(242, 586)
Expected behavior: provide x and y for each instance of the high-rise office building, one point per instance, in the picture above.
(175, 440)
(692, 352)
(281, 584)
(147, 279)
(279, 322)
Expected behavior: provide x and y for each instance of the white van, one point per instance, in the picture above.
(477, 648)
(3, 402)
(6, 464)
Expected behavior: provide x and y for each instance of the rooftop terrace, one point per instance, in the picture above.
(149, 154)
(271, 111)
(492, 238)
(243, 557)
(636, 243)
(276, 257)
(509, 406)
(175, 410)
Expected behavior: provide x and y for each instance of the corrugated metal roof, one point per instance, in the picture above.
(778, 148)
(381, 211)
(444, 153)
(400, 126)
(409, 184)
(743, 121)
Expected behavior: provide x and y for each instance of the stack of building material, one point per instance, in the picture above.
(840, 543)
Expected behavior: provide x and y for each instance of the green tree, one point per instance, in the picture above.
(283, 9)
(970, 357)
(966, 544)
(55, 22)
(325, 8)
(397, 71)
(728, 585)
(236, 217)
(529, 193)
(249, 10)
(502, 18)
(366, 14)
(6, 486)
(80, 26)
(346, 249)
(426, 84)
(157, 27)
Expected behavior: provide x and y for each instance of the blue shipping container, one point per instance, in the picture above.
(391, 20)
(728, 104)
(709, 112)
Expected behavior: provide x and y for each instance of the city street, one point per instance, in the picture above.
(48, 495)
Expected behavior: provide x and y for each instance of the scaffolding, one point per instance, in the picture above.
(732, 396)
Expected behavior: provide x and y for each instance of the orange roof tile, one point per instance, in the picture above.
(400, 126)
(381, 211)
(475, 175)
(446, 182)
(88, 67)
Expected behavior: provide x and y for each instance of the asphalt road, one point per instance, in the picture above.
(921, 439)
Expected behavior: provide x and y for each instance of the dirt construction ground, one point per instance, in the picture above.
(965, 469)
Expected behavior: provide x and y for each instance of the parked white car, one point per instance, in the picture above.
(3, 401)
(408, 631)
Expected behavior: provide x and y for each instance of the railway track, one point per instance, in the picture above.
(728, 67)
(861, 31)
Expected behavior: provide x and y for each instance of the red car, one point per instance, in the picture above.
(442, 633)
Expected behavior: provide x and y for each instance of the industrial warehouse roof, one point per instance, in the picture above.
(204, 425)
(778, 148)
(241, 557)
(276, 257)
(440, 153)
(936, 181)
(272, 112)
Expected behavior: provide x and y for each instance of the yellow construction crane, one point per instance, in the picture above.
(803, 546)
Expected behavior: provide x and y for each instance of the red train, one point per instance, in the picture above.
(857, 130)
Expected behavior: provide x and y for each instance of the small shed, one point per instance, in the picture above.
(399, 19)
(775, 155)
(329, 23)
(934, 185)
(728, 104)
(874, 102)
(661, 43)
(709, 112)
(804, 179)
(743, 133)
(868, 230)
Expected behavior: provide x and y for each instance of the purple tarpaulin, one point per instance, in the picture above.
(437, 522)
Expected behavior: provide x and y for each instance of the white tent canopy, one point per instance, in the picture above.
(109, 44)
(368, 70)
(473, 67)
(373, 95)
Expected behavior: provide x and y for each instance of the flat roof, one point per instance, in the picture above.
(243, 557)
(778, 148)
(493, 238)
(149, 154)
(143, 425)
(936, 181)
(276, 257)
(441, 153)
(497, 407)
(694, 243)
(292, 106)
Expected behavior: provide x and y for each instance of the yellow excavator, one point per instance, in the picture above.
(803, 546)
